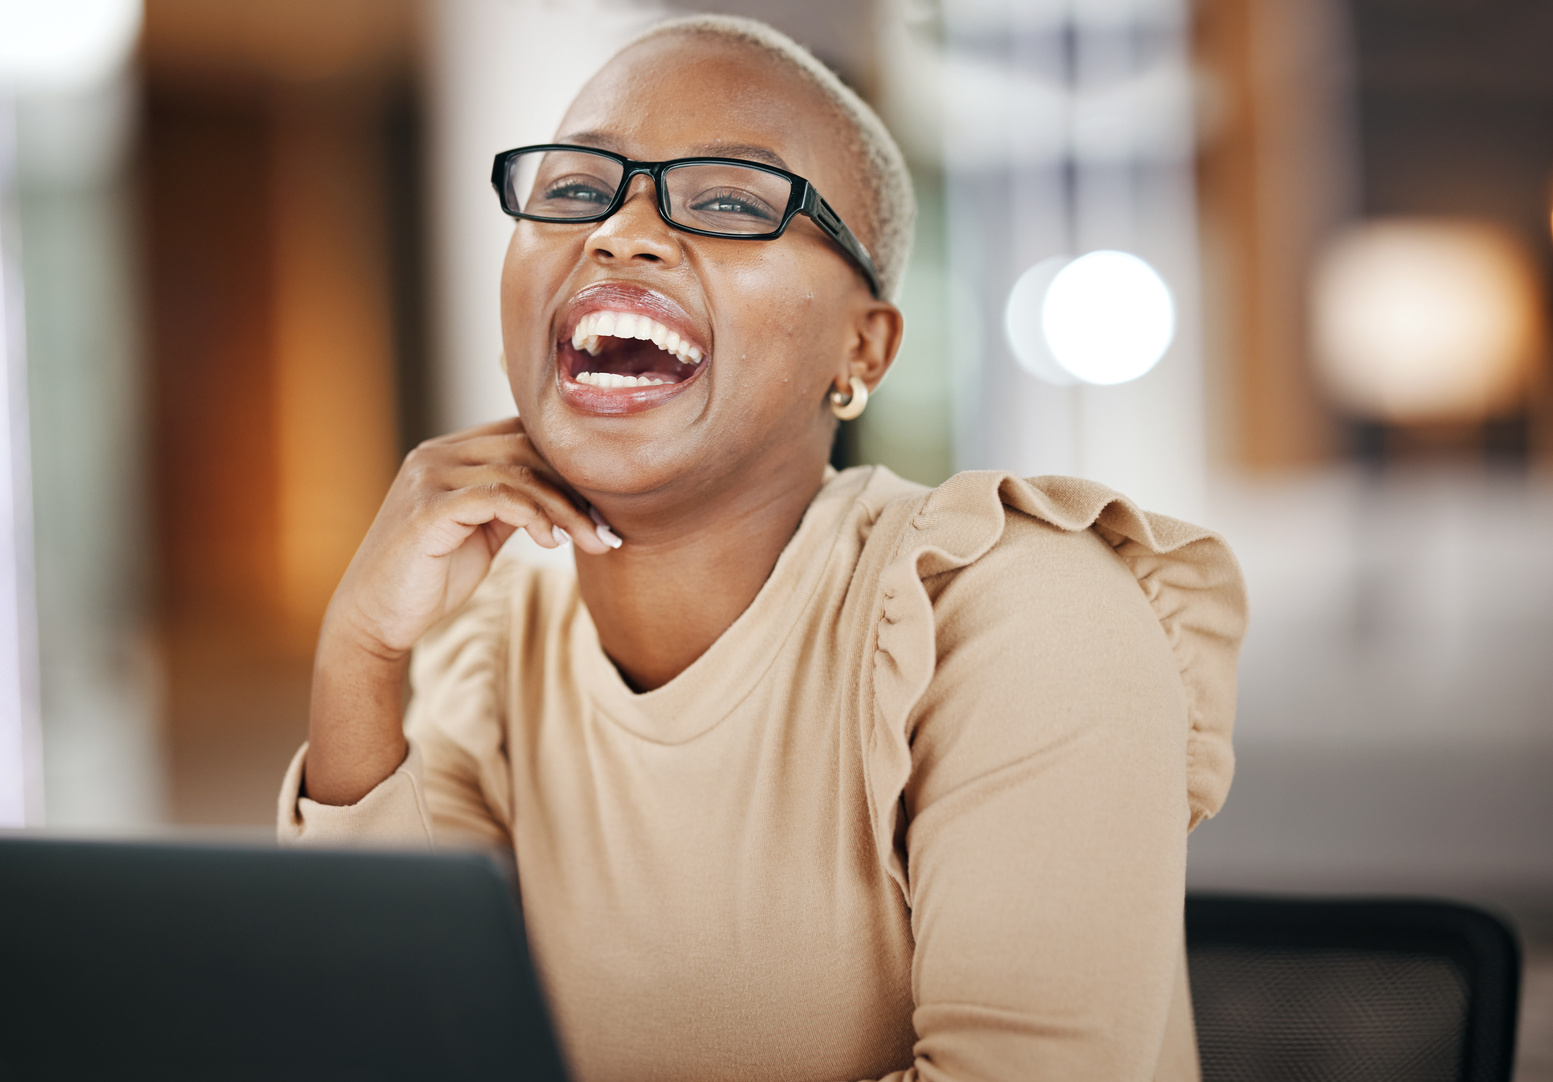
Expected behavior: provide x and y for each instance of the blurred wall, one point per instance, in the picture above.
(276, 177)
(1394, 731)
(1455, 106)
(21, 736)
(1277, 173)
(85, 385)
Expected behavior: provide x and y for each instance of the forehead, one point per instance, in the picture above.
(681, 95)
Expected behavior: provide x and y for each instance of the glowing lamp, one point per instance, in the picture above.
(1103, 318)
(1425, 320)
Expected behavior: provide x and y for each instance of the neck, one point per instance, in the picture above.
(685, 574)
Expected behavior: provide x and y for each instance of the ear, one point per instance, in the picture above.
(875, 338)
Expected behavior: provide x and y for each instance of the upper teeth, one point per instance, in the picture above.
(596, 325)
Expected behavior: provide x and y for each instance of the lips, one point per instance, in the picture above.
(624, 348)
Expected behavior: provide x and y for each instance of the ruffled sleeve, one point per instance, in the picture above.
(454, 786)
(1046, 711)
(1188, 575)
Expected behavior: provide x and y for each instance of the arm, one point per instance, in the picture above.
(453, 505)
(453, 786)
(1047, 811)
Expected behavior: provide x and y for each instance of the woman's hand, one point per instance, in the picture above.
(455, 502)
(453, 505)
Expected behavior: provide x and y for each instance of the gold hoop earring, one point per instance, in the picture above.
(848, 407)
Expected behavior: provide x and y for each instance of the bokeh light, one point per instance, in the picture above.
(1426, 320)
(1022, 322)
(1107, 317)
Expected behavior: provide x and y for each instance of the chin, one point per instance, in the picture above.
(620, 456)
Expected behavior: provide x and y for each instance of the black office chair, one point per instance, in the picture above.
(1297, 990)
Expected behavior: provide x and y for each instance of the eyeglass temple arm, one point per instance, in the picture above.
(828, 220)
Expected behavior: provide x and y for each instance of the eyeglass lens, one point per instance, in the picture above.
(715, 197)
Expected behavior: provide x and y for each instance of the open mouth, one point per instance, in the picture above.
(627, 351)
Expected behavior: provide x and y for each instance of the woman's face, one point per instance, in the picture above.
(775, 322)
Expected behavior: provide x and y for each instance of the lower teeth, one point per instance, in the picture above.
(615, 379)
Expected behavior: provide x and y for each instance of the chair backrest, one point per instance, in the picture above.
(1320, 990)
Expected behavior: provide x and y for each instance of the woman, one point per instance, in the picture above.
(808, 775)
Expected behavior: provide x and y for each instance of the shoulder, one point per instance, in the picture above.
(1047, 586)
(1033, 552)
(1045, 594)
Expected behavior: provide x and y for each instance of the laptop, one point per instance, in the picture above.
(174, 962)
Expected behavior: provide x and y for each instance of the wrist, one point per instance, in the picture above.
(355, 724)
(344, 638)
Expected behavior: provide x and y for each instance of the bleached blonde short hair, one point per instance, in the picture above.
(889, 203)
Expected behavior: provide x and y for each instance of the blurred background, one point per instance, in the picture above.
(1279, 266)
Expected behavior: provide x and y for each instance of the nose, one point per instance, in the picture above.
(635, 234)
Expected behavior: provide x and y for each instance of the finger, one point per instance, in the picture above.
(521, 508)
(439, 468)
(513, 449)
(557, 506)
(602, 527)
(497, 532)
(429, 466)
(496, 509)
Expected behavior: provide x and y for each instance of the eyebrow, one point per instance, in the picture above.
(749, 151)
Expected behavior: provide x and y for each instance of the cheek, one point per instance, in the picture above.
(789, 330)
(530, 276)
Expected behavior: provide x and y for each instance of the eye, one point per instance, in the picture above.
(733, 202)
(578, 190)
(571, 195)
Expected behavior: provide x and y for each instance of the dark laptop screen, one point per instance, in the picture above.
(185, 962)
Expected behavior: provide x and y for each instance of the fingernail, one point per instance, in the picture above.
(607, 536)
(598, 519)
(561, 536)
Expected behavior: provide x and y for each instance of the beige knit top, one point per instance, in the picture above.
(920, 813)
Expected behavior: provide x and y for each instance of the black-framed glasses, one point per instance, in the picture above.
(710, 197)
